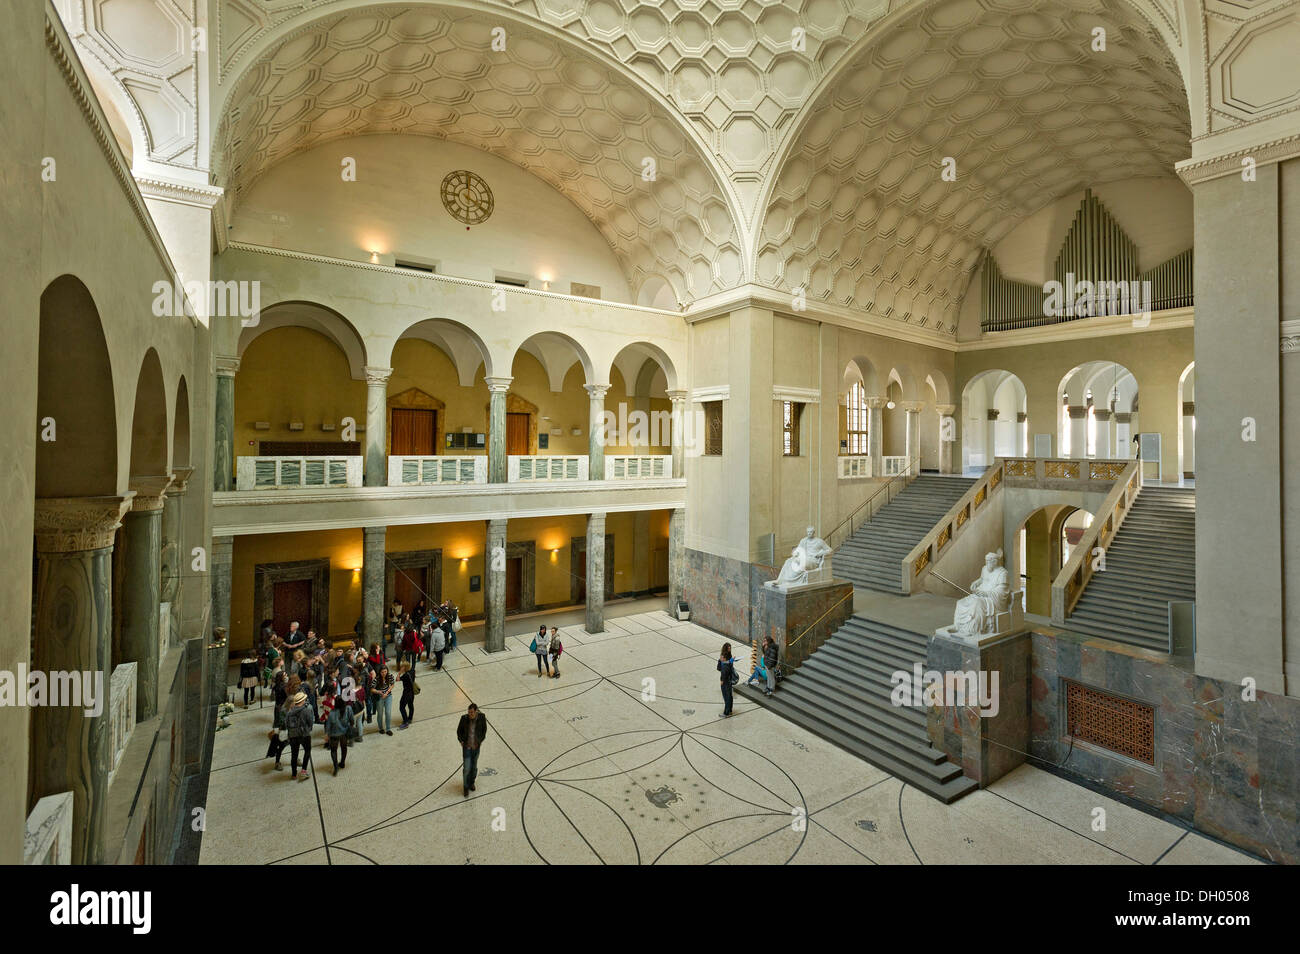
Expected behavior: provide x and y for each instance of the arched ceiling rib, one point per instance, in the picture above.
(542, 103)
(860, 215)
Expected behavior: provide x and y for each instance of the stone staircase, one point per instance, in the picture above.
(841, 693)
(872, 558)
(1151, 561)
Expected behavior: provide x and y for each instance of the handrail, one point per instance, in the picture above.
(834, 606)
(907, 472)
(921, 559)
(1077, 572)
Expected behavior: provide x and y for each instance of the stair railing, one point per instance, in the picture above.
(890, 489)
(1078, 570)
(789, 655)
(919, 563)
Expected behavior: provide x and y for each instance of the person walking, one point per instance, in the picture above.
(298, 723)
(540, 648)
(279, 690)
(727, 667)
(557, 647)
(471, 732)
(771, 655)
(338, 726)
(383, 693)
(249, 677)
(406, 705)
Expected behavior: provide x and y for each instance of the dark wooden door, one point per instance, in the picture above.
(292, 601)
(517, 434)
(413, 431)
(410, 585)
(514, 583)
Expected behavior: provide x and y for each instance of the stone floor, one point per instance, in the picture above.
(624, 760)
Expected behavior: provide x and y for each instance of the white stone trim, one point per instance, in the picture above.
(715, 392)
(1080, 328)
(783, 392)
(1289, 332)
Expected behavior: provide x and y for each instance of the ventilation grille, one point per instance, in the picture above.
(1120, 725)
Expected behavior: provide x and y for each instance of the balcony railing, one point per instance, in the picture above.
(860, 466)
(429, 471)
(277, 473)
(638, 466)
(521, 468)
(48, 839)
(121, 714)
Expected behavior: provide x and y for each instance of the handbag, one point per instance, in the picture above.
(455, 624)
(415, 687)
(532, 647)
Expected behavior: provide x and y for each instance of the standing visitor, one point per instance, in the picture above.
(338, 726)
(249, 678)
(295, 639)
(771, 655)
(298, 722)
(470, 732)
(557, 647)
(406, 705)
(438, 643)
(540, 644)
(383, 693)
(727, 667)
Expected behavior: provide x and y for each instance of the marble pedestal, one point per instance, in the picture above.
(801, 618)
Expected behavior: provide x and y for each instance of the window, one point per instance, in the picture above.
(858, 416)
(790, 414)
(426, 267)
(516, 282)
(713, 428)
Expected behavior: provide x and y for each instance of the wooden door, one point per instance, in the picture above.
(413, 431)
(516, 434)
(409, 585)
(292, 601)
(514, 583)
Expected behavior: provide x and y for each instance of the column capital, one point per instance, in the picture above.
(150, 492)
(1101, 414)
(993, 414)
(376, 375)
(180, 481)
(947, 410)
(227, 365)
(679, 397)
(374, 533)
(875, 403)
(1077, 412)
(72, 524)
(1123, 417)
(912, 407)
(597, 391)
(498, 385)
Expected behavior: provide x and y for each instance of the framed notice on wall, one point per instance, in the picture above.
(1149, 451)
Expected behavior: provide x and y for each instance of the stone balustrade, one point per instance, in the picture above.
(121, 712)
(546, 467)
(638, 466)
(277, 473)
(430, 471)
(48, 839)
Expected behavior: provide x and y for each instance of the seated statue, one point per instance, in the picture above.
(976, 614)
(808, 554)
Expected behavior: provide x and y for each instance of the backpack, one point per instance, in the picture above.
(733, 677)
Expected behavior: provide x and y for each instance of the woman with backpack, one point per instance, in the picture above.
(540, 648)
(406, 705)
(338, 726)
(727, 667)
(298, 723)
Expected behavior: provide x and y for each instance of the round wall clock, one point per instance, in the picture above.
(467, 197)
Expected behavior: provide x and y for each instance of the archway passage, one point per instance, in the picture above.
(1187, 424)
(1098, 412)
(1044, 543)
(994, 419)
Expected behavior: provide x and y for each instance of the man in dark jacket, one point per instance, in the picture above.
(470, 732)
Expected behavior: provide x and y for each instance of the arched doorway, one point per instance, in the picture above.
(994, 419)
(1044, 543)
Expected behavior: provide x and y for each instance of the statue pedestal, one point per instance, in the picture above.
(986, 744)
(801, 617)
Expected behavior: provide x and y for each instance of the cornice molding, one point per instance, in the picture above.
(715, 392)
(183, 193)
(1193, 171)
(1080, 328)
(797, 395)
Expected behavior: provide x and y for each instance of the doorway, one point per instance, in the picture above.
(410, 585)
(414, 432)
(514, 583)
(578, 569)
(291, 602)
(516, 434)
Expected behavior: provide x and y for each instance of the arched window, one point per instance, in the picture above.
(857, 412)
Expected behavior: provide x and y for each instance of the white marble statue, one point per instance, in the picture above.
(976, 614)
(808, 554)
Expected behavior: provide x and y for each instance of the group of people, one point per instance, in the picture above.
(431, 632)
(766, 668)
(548, 649)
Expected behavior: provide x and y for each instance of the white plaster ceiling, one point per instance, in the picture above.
(542, 104)
(861, 216)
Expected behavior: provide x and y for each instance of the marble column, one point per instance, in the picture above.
(1078, 429)
(372, 583)
(376, 473)
(913, 411)
(876, 434)
(676, 558)
(74, 634)
(497, 388)
(596, 573)
(223, 434)
(680, 410)
(1105, 447)
(991, 437)
(174, 553)
(220, 567)
(494, 586)
(596, 431)
(947, 435)
(142, 589)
